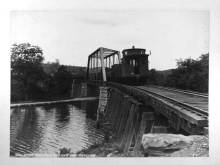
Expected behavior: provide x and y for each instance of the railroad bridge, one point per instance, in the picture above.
(132, 110)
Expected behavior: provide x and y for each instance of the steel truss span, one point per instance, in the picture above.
(99, 60)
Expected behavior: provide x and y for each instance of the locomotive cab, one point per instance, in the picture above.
(134, 62)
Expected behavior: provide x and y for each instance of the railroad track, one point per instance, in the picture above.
(193, 101)
(205, 95)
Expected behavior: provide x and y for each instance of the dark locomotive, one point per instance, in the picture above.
(133, 68)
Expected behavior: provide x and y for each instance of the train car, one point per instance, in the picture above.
(133, 69)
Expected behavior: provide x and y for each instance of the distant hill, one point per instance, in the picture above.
(165, 72)
(76, 70)
(51, 68)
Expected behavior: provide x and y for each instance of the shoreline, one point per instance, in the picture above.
(109, 149)
(197, 147)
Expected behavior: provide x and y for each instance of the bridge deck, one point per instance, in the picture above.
(196, 100)
(189, 106)
(185, 110)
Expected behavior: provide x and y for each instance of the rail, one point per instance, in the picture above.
(135, 91)
(181, 104)
(205, 95)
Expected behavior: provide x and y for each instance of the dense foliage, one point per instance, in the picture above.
(60, 83)
(33, 80)
(27, 74)
(190, 74)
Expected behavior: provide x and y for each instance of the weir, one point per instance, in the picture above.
(53, 102)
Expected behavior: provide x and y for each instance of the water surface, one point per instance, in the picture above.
(46, 129)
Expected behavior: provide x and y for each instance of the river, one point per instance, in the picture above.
(46, 129)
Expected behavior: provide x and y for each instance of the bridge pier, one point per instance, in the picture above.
(145, 127)
(84, 90)
(103, 98)
(127, 120)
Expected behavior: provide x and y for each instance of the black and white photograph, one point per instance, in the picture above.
(111, 81)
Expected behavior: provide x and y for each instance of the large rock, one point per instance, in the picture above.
(174, 145)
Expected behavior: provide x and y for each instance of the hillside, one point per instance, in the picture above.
(165, 72)
(51, 68)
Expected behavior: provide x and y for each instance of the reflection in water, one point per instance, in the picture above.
(46, 129)
(62, 113)
(89, 106)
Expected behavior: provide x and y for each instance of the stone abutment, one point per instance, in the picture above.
(126, 120)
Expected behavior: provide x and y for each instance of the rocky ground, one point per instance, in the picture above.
(175, 145)
(108, 149)
(156, 145)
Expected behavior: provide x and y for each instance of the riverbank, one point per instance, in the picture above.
(155, 145)
(109, 149)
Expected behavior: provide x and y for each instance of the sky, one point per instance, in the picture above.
(71, 36)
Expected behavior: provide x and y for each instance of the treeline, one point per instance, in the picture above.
(190, 74)
(33, 80)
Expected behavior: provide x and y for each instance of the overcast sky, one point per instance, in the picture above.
(71, 36)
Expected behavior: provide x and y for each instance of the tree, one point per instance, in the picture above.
(60, 83)
(190, 74)
(26, 69)
(51, 67)
(156, 77)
